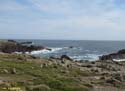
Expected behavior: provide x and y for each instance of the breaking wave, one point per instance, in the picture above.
(45, 51)
(90, 57)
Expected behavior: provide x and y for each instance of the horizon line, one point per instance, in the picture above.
(58, 39)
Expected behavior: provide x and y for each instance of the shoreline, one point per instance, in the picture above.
(74, 52)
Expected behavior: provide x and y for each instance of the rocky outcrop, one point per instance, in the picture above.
(11, 46)
(63, 60)
(65, 57)
(119, 55)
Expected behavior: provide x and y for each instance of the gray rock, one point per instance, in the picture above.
(5, 71)
(13, 71)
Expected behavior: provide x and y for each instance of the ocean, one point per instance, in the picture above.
(76, 49)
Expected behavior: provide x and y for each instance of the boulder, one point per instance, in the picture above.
(118, 76)
(121, 51)
(13, 71)
(65, 57)
(71, 47)
(5, 71)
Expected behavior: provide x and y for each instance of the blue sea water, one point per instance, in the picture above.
(77, 49)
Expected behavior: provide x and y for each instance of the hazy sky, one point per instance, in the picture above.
(63, 19)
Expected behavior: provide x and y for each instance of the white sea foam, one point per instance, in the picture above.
(90, 57)
(45, 51)
(118, 60)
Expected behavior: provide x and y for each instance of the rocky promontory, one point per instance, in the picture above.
(11, 46)
(118, 55)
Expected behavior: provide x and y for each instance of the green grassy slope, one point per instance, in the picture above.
(15, 71)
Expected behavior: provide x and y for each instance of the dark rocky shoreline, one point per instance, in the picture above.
(118, 55)
(11, 46)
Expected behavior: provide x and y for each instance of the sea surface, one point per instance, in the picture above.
(76, 49)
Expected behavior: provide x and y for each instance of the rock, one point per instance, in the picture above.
(44, 65)
(121, 51)
(111, 81)
(102, 78)
(48, 49)
(26, 43)
(11, 46)
(118, 76)
(118, 55)
(65, 57)
(69, 65)
(12, 41)
(13, 71)
(71, 47)
(114, 82)
(33, 57)
(41, 65)
(6, 71)
(96, 70)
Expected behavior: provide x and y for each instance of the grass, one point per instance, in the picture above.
(32, 77)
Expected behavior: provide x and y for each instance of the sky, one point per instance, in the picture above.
(62, 19)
